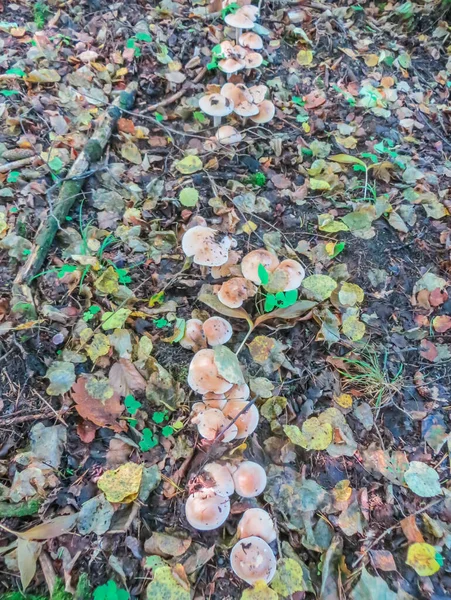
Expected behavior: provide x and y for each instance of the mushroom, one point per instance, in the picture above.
(266, 112)
(236, 93)
(228, 135)
(208, 247)
(235, 291)
(257, 522)
(295, 274)
(206, 510)
(250, 11)
(227, 268)
(211, 400)
(240, 21)
(238, 392)
(258, 93)
(199, 407)
(253, 560)
(251, 40)
(253, 60)
(251, 262)
(246, 109)
(203, 376)
(249, 479)
(193, 338)
(211, 422)
(216, 106)
(247, 422)
(221, 479)
(217, 331)
(230, 65)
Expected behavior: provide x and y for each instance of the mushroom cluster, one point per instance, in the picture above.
(237, 57)
(215, 331)
(243, 18)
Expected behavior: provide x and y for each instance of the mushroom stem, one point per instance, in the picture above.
(216, 121)
(238, 33)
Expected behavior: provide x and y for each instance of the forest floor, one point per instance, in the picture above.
(352, 178)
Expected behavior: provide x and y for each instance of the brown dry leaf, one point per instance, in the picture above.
(54, 528)
(383, 560)
(437, 297)
(102, 412)
(27, 556)
(125, 378)
(428, 350)
(441, 324)
(86, 431)
(281, 182)
(314, 99)
(410, 530)
(165, 545)
(199, 559)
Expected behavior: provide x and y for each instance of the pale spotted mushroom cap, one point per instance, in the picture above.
(208, 247)
(203, 376)
(235, 291)
(251, 40)
(250, 263)
(295, 273)
(253, 560)
(217, 331)
(228, 135)
(249, 478)
(258, 93)
(258, 522)
(246, 423)
(216, 105)
(236, 93)
(266, 112)
(246, 109)
(206, 510)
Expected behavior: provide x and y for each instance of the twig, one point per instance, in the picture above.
(16, 164)
(178, 94)
(60, 419)
(437, 133)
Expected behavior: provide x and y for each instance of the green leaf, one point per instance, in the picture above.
(189, 165)
(66, 269)
(131, 404)
(290, 297)
(17, 72)
(130, 43)
(110, 591)
(56, 164)
(13, 176)
(339, 247)
(142, 36)
(372, 588)
(198, 115)
(8, 93)
(159, 117)
(158, 417)
(160, 323)
(263, 274)
(167, 431)
(319, 184)
(115, 320)
(270, 303)
(298, 100)
(148, 440)
(422, 479)
(189, 197)
(228, 365)
(321, 286)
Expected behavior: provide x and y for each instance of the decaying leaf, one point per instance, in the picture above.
(424, 558)
(289, 578)
(103, 409)
(314, 435)
(122, 484)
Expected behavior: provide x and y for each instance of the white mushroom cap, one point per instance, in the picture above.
(266, 112)
(250, 263)
(221, 478)
(239, 20)
(251, 40)
(258, 522)
(228, 135)
(206, 510)
(198, 407)
(250, 479)
(212, 400)
(253, 60)
(226, 48)
(250, 10)
(194, 337)
(209, 247)
(247, 423)
(253, 560)
(216, 105)
(246, 109)
(236, 92)
(217, 330)
(240, 391)
(211, 422)
(203, 376)
(258, 93)
(294, 271)
(230, 65)
(235, 291)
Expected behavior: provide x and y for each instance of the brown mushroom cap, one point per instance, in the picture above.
(203, 376)
(227, 268)
(227, 135)
(253, 60)
(235, 291)
(246, 109)
(247, 422)
(251, 40)
(295, 273)
(208, 247)
(217, 330)
(266, 112)
(238, 392)
(253, 560)
(221, 479)
(211, 422)
(258, 93)
(216, 105)
(250, 479)
(239, 20)
(251, 262)
(236, 93)
(206, 510)
(193, 338)
(258, 522)
(212, 400)
(230, 65)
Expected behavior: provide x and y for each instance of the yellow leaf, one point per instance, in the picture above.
(108, 282)
(353, 328)
(304, 57)
(423, 558)
(122, 484)
(121, 72)
(289, 578)
(342, 491)
(347, 159)
(319, 184)
(350, 294)
(249, 227)
(349, 52)
(371, 60)
(188, 165)
(260, 591)
(314, 435)
(130, 152)
(99, 346)
(344, 400)
(330, 248)
(43, 76)
(306, 127)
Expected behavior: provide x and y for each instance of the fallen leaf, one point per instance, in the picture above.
(166, 586)
(61, 376)
(304, 58)
(313, 436)
(27, 556)
(188, 165)
(102, 411)
(289, 578)
(424, 558)
(122, 484)
(383, 560)
(125, 378)
(422, 479)
(321, 286)
(410, 529)
(165, 545)
(372, 588)
(441, 324)
(260, 591)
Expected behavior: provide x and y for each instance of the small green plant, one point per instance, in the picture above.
(41, 13)
(110, 591)
(131, 404)
(231, 8)
(148, 441)
(216, 56)
(258, 179)
(279, 299)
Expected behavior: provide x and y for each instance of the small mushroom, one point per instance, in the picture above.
(206, 510)
(246, 109)
(216, 106)
(258, 93)
(251, 262)
(235, 291)
(257, 522)
(227, 135)
(211, 422)
(228, 268)
(295, 273)
(208, 247)
(217, 331)
(199, 407)
(240, 21)
(214, 400)
(251, 40)
(249, 478)
(236, 93)
(203, 376)
(230, 65)
(253, 60)
(193, 338)
(266, 112)
(240, 391)
(250, 10)
(253, 560)
(247, 422)
(221, 479)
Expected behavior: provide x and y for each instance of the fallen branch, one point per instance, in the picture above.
(16, 164)
(73, 183)
(178, 94)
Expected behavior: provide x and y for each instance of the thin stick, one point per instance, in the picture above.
(16, 164)
(178, 94)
